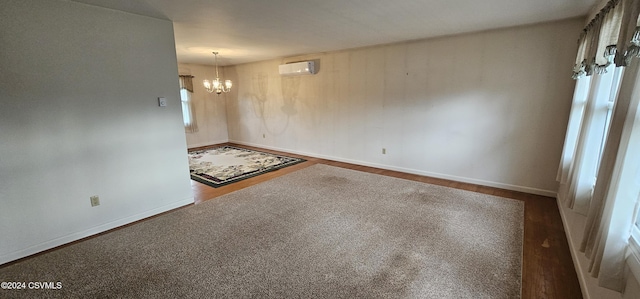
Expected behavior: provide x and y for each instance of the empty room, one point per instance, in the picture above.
(319, 149)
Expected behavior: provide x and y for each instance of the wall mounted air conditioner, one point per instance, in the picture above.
(297, 68)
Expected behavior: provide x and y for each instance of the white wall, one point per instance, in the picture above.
(210, 108)
(488, 107)
(79, 117)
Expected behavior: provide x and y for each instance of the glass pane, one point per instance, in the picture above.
(184, 95)
(614, 86)
(638, 213)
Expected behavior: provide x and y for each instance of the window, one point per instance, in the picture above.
(634, 242)
(636, 229)
(628, 183)
(608, 146)
(592, 118)
(188, 109)
(613, 85)
(185, 97)
(606, 152)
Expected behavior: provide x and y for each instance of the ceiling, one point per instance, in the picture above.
(254, 30)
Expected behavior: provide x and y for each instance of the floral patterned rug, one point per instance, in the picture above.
(227, 164)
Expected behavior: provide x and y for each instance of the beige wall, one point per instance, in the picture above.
(488, 108)
(210, 108)
(80, 117)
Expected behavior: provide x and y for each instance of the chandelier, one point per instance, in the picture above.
(216, 85)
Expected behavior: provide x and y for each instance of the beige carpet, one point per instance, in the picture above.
(320, 232)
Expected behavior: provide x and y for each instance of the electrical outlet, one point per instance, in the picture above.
(162, 102)
(95, 200)
(384, 151)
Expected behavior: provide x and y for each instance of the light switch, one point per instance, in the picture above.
(162, 102)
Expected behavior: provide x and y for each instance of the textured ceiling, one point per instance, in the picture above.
(253, 30)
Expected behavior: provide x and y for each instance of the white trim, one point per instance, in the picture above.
(574, 251)
(90, 232)
(633, 256)
(530, 190)
(573, 224)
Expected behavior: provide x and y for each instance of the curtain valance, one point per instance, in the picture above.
(613, 36)
(186, 82)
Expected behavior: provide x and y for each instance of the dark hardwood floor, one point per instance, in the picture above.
(547, 269)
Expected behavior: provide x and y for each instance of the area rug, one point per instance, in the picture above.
(227, 164)
(319, 232)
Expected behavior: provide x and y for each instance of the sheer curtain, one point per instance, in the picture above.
(593, 161)
(188, 108)
(610, 217)
(578, 106)
(590, 126)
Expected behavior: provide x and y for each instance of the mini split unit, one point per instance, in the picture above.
(297, 68)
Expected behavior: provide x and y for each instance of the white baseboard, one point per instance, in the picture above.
(529, 190)
(12, 256)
